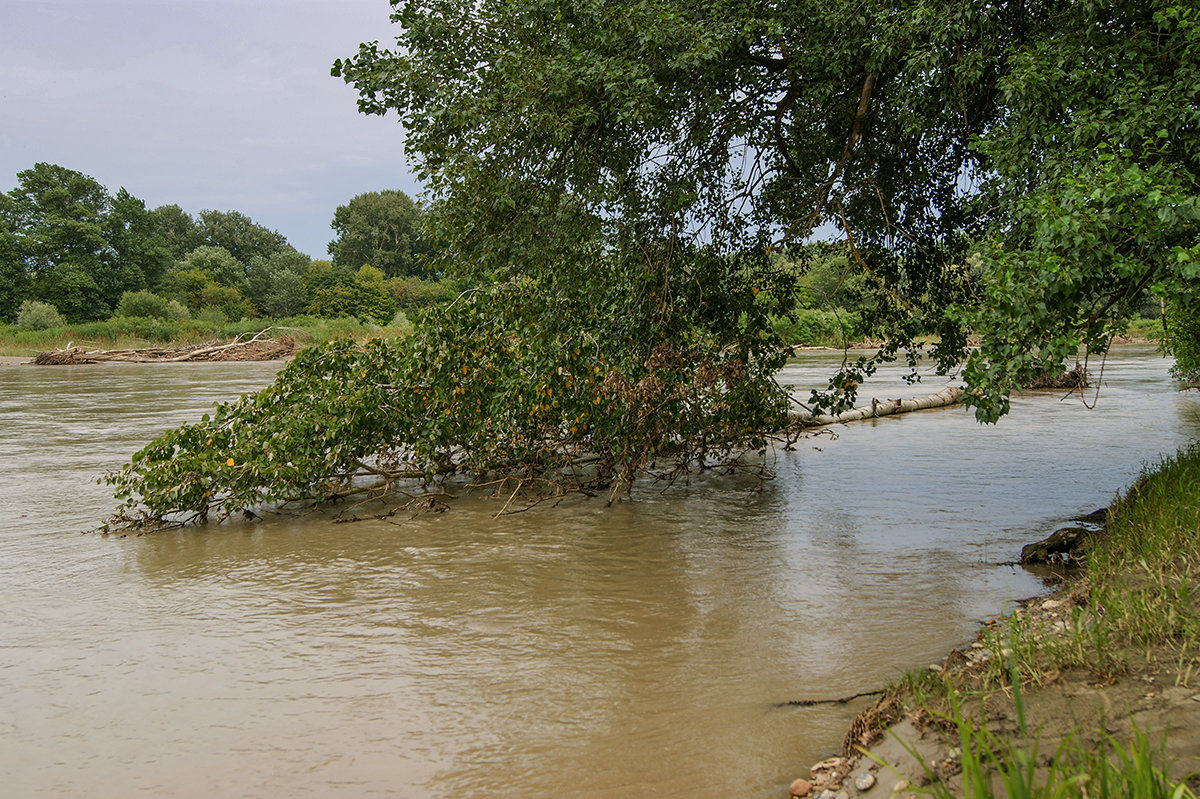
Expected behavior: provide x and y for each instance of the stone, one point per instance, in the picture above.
(1063, 545)
(1051, 604)
(827, 764)
(865, 782)
(800, 787)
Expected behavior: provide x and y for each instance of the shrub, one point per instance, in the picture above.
(34, 315)
(823, 328)
(148, 304)
(211, 315)
(413, 292)
(229, 301)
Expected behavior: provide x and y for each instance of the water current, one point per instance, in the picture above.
(570, 651)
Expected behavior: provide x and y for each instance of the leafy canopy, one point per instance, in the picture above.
(616, 178)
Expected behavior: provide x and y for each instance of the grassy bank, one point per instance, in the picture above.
(135, 332)
(1093, 691)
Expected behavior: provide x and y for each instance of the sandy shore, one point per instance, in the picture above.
(14, 360)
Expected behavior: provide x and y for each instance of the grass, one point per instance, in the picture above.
(137, 332)
(1140, 587)
(1136, 604)
(1142, 328)
(992, 766)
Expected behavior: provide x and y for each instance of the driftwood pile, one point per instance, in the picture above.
(257, 348)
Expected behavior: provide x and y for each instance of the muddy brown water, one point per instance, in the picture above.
(575, 651)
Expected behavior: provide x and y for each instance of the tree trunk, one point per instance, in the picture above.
(947, 396)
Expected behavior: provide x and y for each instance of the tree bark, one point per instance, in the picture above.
(947, 396)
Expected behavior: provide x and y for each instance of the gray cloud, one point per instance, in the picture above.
(202, 103)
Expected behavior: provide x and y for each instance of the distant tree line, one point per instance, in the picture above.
(66, 242)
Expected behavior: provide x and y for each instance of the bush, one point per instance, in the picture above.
(413, 292)
(818, 328)
(211, 315)
(229, 301)
(34, 315)
(150, 305)
(1181, 338)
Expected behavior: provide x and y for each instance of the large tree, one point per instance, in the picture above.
(379, 229)
(59, 221)
(1056, 137)
(240, 235)
(615, 176)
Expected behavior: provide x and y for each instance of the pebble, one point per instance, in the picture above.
(800, 787)
(865, 782)
(1051, 604)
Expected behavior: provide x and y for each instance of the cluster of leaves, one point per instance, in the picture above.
(513, 385)
(1096, 167)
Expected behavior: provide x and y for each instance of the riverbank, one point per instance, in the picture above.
(1095, 687)
(128, 333)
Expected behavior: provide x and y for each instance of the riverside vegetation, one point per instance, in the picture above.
(1092, 692)
(623, 189)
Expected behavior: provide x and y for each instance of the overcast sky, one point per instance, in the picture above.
(208, 104)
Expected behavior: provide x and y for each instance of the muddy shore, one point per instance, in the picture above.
(895, 747)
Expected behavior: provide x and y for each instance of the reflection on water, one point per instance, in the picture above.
(568, 651)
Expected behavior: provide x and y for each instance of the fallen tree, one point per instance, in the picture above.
(515, 387)
(624, 184)
(950, 395)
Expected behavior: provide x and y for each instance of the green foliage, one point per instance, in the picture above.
(818, 328)
(72, 288)
(35, 315)
(65, 240)
(211, 278)
(413, 292)
(577, 399)
(1099, 184)
(379, 229)
(239, 235)
(1181, 327)
(140, 248)
(149, 304)
(178, 229)
(217, 263)
(276, 286)
(621, 177)
(229, 301)
(363, 295)
(1052, 137)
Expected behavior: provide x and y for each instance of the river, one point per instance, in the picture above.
(569, 651)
